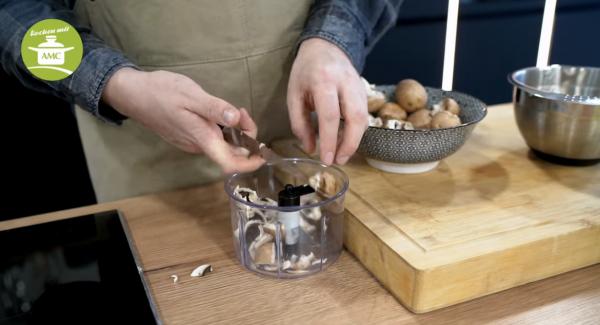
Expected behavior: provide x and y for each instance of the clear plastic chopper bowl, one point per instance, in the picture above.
(288, 241)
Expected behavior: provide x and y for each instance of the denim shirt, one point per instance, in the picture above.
(352, 25)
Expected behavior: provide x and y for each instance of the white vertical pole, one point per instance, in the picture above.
(450, 46)
(546, 34)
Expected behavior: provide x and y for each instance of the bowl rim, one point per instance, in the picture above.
(482, 104)
(341, 192)
(547, 94)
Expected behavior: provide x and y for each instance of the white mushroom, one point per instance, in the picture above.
(305, 261)
(252, 223)
(262, 239)
(313, 213)
(286, 265)
(300, 264)
(375, 121)
(408, 126)
(175, 278)
(394, 124)
(201, 270)
(246, 194)
(398, 125)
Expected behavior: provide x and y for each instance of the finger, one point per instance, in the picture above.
(220, 152)
(239, 151)
(247, 124)
(214, 109)
(300, 121)
(328, 113)
(354, 110)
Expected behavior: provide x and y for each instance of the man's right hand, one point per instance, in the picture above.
(181, 112)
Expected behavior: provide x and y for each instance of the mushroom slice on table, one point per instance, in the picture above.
(202, 270)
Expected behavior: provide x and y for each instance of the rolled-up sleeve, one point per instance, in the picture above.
(353, 25)
(84, 87)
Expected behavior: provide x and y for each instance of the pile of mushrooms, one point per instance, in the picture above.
(260, 226)
(410, 110)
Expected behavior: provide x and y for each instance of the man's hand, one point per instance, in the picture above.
(182, 113)
(324, 80)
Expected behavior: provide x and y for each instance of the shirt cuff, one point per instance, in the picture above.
(96, 68)
(340, 26)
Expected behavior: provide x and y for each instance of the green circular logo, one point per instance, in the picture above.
(52, 49)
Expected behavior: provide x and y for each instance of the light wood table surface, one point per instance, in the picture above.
(177, 231)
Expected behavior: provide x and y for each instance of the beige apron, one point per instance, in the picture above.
(239, 50)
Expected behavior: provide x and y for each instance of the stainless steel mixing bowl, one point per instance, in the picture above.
(557, 109)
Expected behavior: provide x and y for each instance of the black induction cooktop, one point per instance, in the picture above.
(75, 271)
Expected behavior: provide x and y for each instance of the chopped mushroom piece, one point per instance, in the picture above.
(324, 183)
(375, 121)
(265, 254)
(399, 125)
(202, 270)
(245, 193)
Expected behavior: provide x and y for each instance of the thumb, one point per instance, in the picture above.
(216, 110)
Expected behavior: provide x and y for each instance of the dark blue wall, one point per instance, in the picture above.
(495, 37)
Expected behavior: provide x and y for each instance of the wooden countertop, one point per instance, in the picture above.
(177, 231)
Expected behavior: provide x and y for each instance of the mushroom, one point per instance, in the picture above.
(252, 230)
(265, 254)
(374, 103)
(248, 195)
(392, 111)
(175, 278)
(324, 183)
(375, 121)
(450, 105)
(260, 240)
(252, 223)
(411, 95)
(398, 125)
(267, 201)
(436, 108)
(286, 265)
(420, 119)
(307, 227)
(313, 213)
(201, 270)
(375, 98)
(245, 193)
(302, 263)
(444, 119)
(305, 261)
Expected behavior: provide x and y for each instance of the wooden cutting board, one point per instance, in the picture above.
(490, 217)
